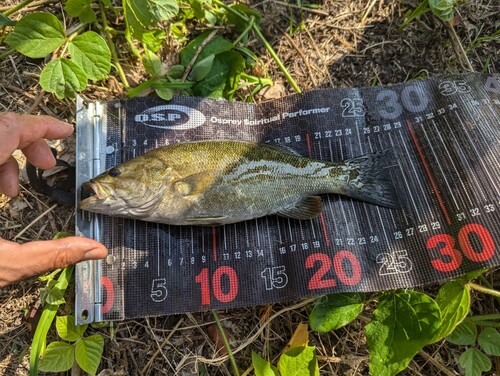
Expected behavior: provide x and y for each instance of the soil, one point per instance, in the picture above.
(338, 44)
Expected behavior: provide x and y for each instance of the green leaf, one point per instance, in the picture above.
(153, 39)
(59, 357)
(137, 16)
(201, 68)
(454, 301)
(67, 330)
(464, 334)
(225, 73)
(444, 9)
(81, 9)
(6, 21)
(45, 322)
(164, 10)
(89, 353)
(165, 93)
(36, 35)
(91, 53)
(299, 361)
(335, 311)
(63, 78)
(489, 340)
(240, 25)
(216, 46)
(474, 362)
(211, 18)
(403, 323)
(152, 63)
(176, 71)
(262, 367)
(55, 295)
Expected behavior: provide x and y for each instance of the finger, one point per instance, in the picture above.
(43, 256)
(39, 155)
(19, 261)
(9, 177)
(18, 131)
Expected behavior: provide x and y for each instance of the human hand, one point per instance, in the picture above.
(28, 133)
(18, 261)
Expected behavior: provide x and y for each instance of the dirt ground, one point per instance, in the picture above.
(342, 44)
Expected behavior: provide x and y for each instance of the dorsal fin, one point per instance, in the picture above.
(306, 208)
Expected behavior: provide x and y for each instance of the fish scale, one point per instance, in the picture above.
(443, 134)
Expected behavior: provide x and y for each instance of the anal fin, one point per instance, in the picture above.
(306, 208)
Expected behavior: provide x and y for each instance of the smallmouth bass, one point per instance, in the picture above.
(221, 182)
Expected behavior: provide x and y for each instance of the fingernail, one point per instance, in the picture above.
(95, 254)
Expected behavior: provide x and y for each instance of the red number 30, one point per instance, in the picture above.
(446, 247)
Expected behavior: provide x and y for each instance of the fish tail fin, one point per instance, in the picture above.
(369, 179)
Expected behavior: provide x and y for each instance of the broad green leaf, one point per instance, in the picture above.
(91, 53)
(489, 340)
(165, 93)
(299, 361)
(201, 68)
(59, 357)
(137, 16)
(444, 9)
(217, 45)
(89, 353)
(81, 9)
(164, 10)
(464, 334)
(474, 362)
(36, 35)
(153, 39)
(262, 367)
(63, 78)
(211, 18)
(67, 330)
(6, 21)
(227, 66)
(55, 295)
(403, 323)
(335, 311)
(454, 301)
(152, 63)
(176, 71)
(139, 9)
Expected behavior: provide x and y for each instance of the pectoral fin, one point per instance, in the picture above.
(306, 208)
(195, 184)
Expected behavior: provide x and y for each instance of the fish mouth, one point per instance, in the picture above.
(93, 192)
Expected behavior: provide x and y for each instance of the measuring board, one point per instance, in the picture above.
(444, 134)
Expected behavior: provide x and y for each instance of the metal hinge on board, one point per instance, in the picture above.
(90, 124)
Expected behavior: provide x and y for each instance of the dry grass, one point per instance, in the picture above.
(343, 43)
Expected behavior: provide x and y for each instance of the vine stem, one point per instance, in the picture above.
(18, 7)
(226, 343)
(112, 48)
(266, 44)
(493, 316)
(486, 290)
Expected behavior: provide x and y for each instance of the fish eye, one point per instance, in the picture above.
(114, 172)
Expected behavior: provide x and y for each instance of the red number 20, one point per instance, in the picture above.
(446, 247)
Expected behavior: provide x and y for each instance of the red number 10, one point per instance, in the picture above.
(216, 283)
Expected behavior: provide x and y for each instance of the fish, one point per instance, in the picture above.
(211, 183)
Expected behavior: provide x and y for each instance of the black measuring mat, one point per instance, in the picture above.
(444, 136)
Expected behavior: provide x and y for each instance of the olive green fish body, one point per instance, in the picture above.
(220, 182)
